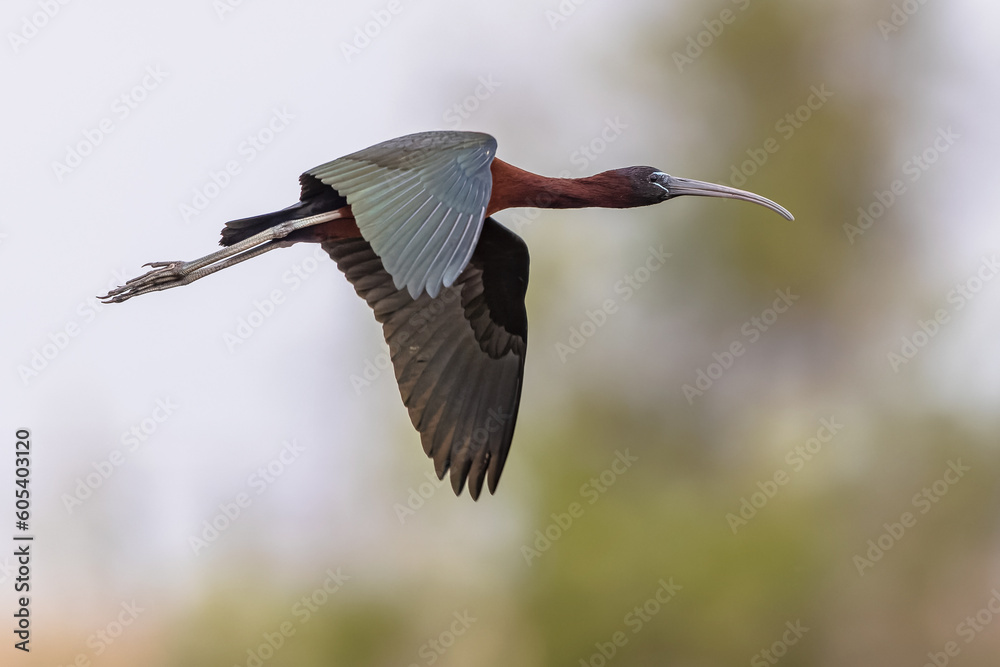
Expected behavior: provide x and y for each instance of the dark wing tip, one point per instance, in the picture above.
(459, 473)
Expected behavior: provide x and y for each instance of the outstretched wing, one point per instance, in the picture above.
(420, 201)
(459, 357)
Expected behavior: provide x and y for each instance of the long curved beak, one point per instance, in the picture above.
(677, 187)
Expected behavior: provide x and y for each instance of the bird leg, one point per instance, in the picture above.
(174, 274)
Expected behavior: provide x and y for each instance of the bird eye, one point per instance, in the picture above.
(658, 178)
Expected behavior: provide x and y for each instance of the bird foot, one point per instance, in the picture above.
(163, 276)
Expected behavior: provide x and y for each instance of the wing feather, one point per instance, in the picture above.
(459, 357)
(422, 245)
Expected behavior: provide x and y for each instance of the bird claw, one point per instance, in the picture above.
(163, 276)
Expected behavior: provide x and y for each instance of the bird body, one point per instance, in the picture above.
(408, 221)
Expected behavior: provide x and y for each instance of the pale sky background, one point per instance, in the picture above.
(65, 239)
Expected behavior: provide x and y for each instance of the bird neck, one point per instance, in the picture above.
(517, 188)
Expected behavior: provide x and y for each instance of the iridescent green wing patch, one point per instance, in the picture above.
(420, 201)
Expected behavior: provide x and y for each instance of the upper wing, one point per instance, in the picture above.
(458, 358)
(420, 201)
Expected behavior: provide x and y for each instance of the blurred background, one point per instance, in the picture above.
(779, 445)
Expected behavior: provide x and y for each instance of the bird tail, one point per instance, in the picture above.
(238, 230)
(316, 198)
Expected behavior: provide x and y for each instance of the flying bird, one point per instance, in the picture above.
(409, 223)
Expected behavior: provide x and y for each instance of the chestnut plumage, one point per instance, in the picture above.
(408, 221)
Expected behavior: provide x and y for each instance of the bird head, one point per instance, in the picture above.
(652, 186)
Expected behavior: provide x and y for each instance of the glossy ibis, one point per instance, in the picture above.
(408, 222)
